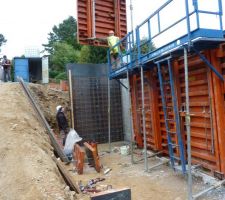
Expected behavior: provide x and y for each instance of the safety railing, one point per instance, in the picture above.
(127, 54)
(177, 22)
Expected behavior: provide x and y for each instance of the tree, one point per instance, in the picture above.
(65, 32)
(147, 46)
(63, 54)
(2, 40)
(93, 54)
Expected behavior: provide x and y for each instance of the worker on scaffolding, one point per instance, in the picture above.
(62, 123)
(114, 51)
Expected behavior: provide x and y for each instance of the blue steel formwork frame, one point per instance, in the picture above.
(195, 40)
(171, 145)
(200, 38)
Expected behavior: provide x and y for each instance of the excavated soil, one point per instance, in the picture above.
(48, 99)
(27, 171)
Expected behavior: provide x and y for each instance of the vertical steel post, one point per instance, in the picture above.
(220, 14)
(132, 30)
(143, 118)
(71, 98)
(188, 23)
(195, 4)
(131, 15)
(159, 27)
(109, 118)
(131, 120)
(187, 119)
(93, 19)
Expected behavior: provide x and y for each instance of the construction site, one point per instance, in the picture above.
(152, 121)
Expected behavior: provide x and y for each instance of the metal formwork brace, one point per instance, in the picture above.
(93, 19)
(208, 63)
(216, 185)
(171, 145)
(109, 119)
(71, 98)
(188, 127)
(143, 118)
(131, 120)
(122, 84)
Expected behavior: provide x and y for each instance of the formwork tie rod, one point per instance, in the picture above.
(216, 185)
(208, 63)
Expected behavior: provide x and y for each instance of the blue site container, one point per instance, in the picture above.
(31, 69)
(21, 68)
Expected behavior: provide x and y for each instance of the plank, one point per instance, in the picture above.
(113, 194)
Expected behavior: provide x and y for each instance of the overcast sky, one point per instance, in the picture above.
(26, 23)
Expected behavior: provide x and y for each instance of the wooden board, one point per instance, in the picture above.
(113, 194)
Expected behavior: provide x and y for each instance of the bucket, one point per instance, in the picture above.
(124, 150)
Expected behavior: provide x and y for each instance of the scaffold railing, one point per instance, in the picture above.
(159, 34)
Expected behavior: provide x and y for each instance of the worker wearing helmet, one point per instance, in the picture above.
(62, 123)
(114, 52)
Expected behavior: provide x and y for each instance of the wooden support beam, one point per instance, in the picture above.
(78, 156)
(69, 180)
(94, 151)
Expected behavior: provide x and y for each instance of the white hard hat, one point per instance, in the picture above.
(58, 107)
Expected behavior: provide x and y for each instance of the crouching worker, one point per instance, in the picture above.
(71, 139)
(62, 123)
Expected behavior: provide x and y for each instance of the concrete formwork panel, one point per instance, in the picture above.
(207, 109)
(97, 17)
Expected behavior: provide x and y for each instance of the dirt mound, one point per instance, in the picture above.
(27, 170)
(48, 99)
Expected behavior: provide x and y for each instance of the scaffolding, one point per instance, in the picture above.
(141, 55)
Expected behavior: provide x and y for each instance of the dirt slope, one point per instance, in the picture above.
(48, 99)
(27, 170)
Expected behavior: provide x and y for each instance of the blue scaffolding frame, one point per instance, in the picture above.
(138, 54)
(133, 57)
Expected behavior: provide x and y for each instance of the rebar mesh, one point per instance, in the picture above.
(90, 98)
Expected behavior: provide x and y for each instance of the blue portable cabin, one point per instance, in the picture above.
(34, 69)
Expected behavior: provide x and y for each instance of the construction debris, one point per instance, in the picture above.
(107, 171)
(90, 186)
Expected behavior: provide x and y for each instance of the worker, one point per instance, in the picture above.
(114, 52)
(62, 123)
(6, 68)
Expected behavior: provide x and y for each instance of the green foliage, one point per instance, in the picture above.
(147, 46)
(2, 40)
(63, 54)
(64, 48)
(92, 54)
(84, 54)
(53, 74)
(61, 76)
(65, 32)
